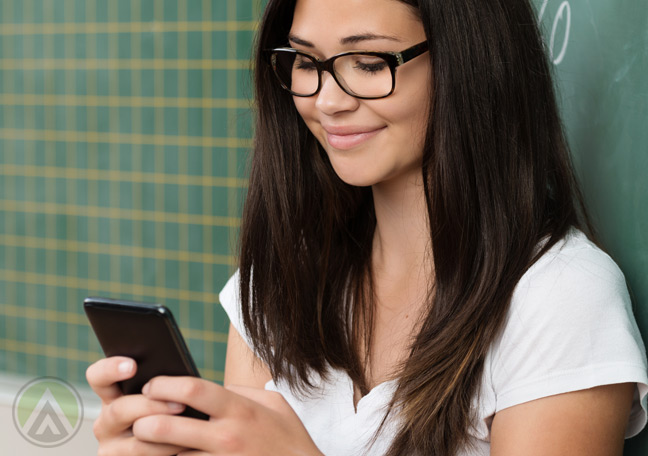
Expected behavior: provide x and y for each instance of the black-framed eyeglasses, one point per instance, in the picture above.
(362, 74)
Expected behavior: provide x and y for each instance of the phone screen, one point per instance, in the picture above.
(147, 333)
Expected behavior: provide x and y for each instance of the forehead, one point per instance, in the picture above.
(327, 21)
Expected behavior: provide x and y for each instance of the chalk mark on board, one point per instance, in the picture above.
(542, 10)
(564, 9)
(564, 13)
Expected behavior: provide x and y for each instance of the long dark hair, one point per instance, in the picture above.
(498, 183)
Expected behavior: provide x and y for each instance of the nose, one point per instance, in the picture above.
(331, 99)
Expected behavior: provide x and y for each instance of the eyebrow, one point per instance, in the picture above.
(366, 37)
(353, 39)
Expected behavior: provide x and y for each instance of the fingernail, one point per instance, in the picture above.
(146, 388)
(125, 367)
(175, 407)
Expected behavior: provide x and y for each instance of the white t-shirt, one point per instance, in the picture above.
(570, 327)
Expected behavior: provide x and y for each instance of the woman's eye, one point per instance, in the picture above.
(302, 63)
(370, 65)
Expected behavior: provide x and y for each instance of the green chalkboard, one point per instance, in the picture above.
(600, 54)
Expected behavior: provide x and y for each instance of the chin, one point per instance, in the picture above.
(356, 168)
(355, 179)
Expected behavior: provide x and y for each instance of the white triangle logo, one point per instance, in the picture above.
(48, 426)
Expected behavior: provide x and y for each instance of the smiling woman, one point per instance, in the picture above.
(416, 276)
(366, 143)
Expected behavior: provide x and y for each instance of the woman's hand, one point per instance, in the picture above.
(118, 412)
(243, 420)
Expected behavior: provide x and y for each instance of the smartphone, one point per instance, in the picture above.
(145, 332)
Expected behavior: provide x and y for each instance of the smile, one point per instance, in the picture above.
(347, 138)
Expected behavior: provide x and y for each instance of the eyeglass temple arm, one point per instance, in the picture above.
(410, 53)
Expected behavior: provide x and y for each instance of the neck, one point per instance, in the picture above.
(402, 239)
(401, 272)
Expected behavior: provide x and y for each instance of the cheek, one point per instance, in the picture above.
(419, 116)
(305, 107)
(416, 96)
(308, 112)
(409, 119)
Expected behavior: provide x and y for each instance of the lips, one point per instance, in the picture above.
(344, 138)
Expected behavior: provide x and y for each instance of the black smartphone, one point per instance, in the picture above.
(145, 332)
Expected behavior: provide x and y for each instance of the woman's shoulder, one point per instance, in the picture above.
(229, 295)
(570, 264)
(230, 300)
(570, 326)
(575, 290)
(573, 279)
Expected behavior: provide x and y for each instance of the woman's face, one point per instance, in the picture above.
(367, 141)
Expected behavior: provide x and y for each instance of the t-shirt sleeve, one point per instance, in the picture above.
(230, 299)
(570, 327)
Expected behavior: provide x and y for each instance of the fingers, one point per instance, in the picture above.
(105, 373)
(119, 412)
(132, 446)
(239, 423)
(213, 399)
(213, 437)
(174, 430)
(118, 416)
(195, 392)
(202, 395)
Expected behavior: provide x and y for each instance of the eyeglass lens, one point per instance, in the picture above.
(358, 74)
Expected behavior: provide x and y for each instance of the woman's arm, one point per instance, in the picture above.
(242, 367)
(590, 422)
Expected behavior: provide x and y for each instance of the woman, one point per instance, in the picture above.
(414, 278)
